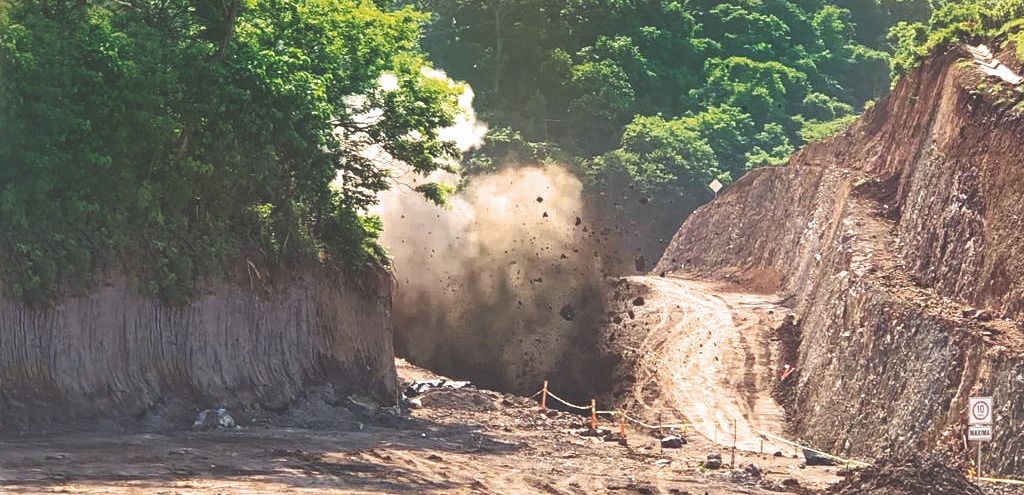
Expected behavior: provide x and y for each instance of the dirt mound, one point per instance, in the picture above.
(920, 475)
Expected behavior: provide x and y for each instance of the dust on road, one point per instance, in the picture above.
(472, 442)
(708, 357)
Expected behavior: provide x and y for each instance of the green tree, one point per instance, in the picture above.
(754, 79)
(955, 21)
(172, 135)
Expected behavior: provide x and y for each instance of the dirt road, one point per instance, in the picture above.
(464, 442)
(708, 358)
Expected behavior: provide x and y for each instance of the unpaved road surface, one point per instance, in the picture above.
(708, 359)
(461, 442)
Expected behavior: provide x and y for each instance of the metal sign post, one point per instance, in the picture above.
(979, 425)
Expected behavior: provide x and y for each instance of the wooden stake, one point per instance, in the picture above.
(732, 463)
(544, 397)
(593, 414)
(622, 425)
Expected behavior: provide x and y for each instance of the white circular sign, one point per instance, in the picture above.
(979, 411)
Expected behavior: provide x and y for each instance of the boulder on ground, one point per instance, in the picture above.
(214, 419)
(714, 461)
(813, 458)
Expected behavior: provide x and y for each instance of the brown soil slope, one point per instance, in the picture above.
(116, 358)
(898, 244)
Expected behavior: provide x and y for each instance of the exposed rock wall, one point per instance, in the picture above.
(900, 244)
(117, 356)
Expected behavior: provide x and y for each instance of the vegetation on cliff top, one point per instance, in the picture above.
(652, 99)
(956, 21)
(178, 134)
(740, 78)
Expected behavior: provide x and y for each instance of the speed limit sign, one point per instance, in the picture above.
(979, 419)
(979, 411)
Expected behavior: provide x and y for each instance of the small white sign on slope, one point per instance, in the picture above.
(715, 186)
(979, 419)
(980, 433)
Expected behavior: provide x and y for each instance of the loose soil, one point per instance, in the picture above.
(920, 475)
(455, 447)
(708, 358)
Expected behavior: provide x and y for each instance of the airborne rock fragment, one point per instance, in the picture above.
(568, 312)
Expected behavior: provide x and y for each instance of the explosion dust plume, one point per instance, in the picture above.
(501, 286)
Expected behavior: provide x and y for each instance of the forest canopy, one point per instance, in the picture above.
(173, 135)
(650, 100)
(176, 134)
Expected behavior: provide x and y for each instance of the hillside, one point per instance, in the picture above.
(897, 246)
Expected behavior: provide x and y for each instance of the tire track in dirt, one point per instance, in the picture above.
(708, 357)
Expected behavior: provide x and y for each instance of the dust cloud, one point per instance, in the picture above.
(502, 286)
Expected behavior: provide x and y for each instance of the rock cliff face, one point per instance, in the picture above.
(117, 357)
(900, 245)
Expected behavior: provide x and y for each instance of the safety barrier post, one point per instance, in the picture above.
(544, 396)
(732, 462)
(593, 414)
(622, 425)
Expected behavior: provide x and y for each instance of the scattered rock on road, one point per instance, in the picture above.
(751, 471)
(422, 386)
(920, 475)
(213, 419)
(812, 458)
(363, 406)
(714, 461)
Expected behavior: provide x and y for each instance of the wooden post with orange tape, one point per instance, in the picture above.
(593, 414)
(544, 396)
(622, 426)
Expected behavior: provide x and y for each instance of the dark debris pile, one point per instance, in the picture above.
(919, 475)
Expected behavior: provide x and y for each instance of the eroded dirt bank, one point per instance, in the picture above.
(119, 358)
(897, 244)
